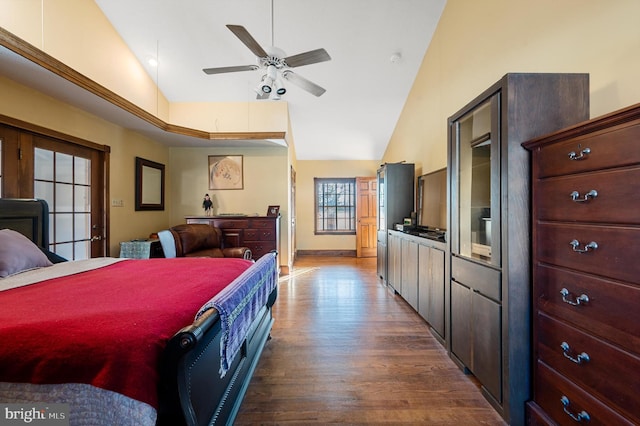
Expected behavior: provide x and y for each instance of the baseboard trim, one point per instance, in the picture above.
(338, 253)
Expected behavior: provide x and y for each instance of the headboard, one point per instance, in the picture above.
(30, 217)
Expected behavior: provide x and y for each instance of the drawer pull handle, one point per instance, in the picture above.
(578, 359)
(582, 415)
(581, 156)
(582, 299)
(575, 196)
(587, 248)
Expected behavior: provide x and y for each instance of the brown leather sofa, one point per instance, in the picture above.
(198, 240)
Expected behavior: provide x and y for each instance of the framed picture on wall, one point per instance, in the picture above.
(149, 188)
(225, 172)
(273, 210)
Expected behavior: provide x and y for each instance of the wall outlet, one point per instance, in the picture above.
(117, 203)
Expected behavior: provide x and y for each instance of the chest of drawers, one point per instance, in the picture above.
(260, 233)
(586, 272)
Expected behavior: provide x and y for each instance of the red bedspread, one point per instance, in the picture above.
(106, 327)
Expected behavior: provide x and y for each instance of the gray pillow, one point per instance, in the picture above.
(18, 253)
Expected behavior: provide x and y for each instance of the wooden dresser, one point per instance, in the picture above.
(586, 273)
(260, 233)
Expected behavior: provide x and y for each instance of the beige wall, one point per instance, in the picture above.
(78, 34)
(266, 170)
(477, 42)
(231, 116)
(31, 106)
(306, 170)
(265, 181)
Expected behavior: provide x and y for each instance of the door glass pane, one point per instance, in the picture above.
(64, 250)
(81, 171)
(63, 227)
(475, 140)
(43, 164)
(82, 226)
(44, 190)
(64, 168)
(82, 250)
(63, 197)
(82, 199)
(51, 233)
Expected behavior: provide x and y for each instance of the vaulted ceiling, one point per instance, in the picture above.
(376, 49)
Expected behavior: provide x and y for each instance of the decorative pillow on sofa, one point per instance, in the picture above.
(18, 253)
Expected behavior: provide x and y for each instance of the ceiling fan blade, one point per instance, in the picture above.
(303, 83)
(306, 58)
(248, 40)
(230, 69)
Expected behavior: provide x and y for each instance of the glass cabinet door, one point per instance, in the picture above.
(382, 220)
(478, 178)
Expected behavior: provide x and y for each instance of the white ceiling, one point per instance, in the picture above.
(366, 91)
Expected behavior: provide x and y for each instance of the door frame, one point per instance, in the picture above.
(23, 187)
(372, 184)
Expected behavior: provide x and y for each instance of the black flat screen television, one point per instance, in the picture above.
(432, 204)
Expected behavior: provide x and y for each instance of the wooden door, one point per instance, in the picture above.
(366, 232)
(70, 176)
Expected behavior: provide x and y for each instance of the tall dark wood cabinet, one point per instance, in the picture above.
(490, 303)
(396, 184)
(586, 273)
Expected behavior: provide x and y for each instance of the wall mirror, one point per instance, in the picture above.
(149, 185)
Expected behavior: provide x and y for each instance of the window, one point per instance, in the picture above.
(335, 205)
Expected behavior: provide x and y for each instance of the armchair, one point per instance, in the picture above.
(198, 240)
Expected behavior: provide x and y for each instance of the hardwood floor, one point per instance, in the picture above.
(346, 350)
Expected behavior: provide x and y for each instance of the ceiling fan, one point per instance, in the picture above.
(275, 64)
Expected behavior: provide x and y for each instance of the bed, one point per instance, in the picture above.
(127, 341)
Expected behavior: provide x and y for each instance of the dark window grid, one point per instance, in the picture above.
(335, 206)
(53, 212)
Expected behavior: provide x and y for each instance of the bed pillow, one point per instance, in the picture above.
(18, 253)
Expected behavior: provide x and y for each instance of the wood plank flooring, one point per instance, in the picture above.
(346, 350)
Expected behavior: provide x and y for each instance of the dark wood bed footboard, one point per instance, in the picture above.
(191, 389)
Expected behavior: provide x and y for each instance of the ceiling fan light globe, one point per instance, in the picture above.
(280, 89)
(267, 82)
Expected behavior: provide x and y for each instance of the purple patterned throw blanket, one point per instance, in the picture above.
(239, 304)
